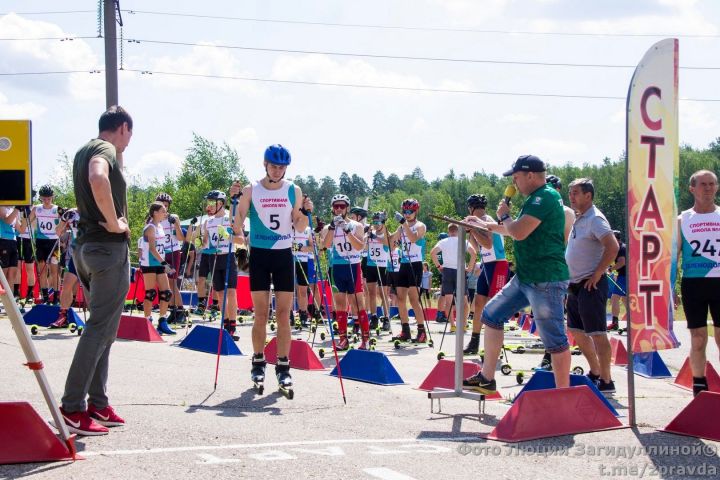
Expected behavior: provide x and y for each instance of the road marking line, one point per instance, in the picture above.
(197, 448)
(386, 474)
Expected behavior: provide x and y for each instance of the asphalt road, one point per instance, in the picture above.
(179, 427)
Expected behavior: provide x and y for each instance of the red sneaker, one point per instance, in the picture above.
(106, 417)
(81, 424)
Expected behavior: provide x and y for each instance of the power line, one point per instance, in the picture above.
(399, 57)
(63, 12)
(62, 39)
(394, 88)
(406, 27)
(350, 85)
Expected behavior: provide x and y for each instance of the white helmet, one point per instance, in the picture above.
(340, 198)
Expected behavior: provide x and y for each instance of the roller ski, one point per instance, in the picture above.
(257, 372)
(61, 322)
(405, 336)
(473, 346)
(385, 324)
(282, 372)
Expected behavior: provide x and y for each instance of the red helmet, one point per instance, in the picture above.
(411, 204)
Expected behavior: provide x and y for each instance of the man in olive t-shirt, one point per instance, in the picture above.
(541, 274)
(101, 260)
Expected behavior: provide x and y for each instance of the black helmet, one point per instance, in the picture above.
(379, 217)
(359, 211)
(216, 195)
(477, 200)
(554, 181)
(46, 191)
(163, 197)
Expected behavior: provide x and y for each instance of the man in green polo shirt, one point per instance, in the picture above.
(541, 274)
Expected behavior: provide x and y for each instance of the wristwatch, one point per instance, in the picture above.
(505, 217)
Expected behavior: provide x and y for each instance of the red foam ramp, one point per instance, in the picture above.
(684, 377)
(138, 328)
(26, 438)
(443, 376)
(554, 412)
(301, 355)
(699, 418)
(244, 297)
(619, 355)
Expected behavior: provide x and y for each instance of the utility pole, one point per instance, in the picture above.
(111, 71)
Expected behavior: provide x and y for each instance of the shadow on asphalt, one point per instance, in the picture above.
(668, 451)
(248, 402)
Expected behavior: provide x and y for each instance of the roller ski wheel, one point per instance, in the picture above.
(34, 329)
(440, 355)
(575, 351)
(80, 330)
(520, 378)
(373, 341)
(430, 343)
(578, 370)
(335, 326)
(313, 329)
(378, 331)
(506, 369)
(73, 328)
(354, 339)
(322, 335)
(287, 392)
(259, 387)
(620, 331)
(321, 353)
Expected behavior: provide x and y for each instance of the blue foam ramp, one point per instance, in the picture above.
(543, 380)
(44, 315)
(394, 311)
(205, 339)
(650, 365)
(189, 298)
(368, 366)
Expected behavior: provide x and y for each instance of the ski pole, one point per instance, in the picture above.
(227, 277)
(327, 311)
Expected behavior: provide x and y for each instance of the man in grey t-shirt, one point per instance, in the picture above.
(591, 248)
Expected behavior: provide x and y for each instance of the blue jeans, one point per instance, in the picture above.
(546, 301)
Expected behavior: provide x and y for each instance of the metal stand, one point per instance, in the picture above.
(33, 360)
(458, 391)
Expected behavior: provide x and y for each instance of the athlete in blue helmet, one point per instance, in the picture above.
(276, 207)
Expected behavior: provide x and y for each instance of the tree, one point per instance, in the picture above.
(379, 184)
(392, 183)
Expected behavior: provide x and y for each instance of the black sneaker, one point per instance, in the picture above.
(595, 379)
(606, 387)
(480, 384)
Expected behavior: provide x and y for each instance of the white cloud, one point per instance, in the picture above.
(420, 125)
(245, 141)
(552, 150)
(20, 111)
(518, 118)
(203, 62)
(694, 116)
(44, 55)
(320, 68)
(153, 165)
(473, 11)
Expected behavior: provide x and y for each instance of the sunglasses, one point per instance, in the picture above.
(408, 212)
(339, 206)
(377, 222)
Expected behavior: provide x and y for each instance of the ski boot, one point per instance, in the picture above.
(62, 321)
(441, 318)
(386, 324)
(163, 327)
(421, 335)
(282, 372)
(614, 324)
(343, 343)
(172, 316)
(405, 334)
(230, 327)
(473, 345)
(365, 343)
(303, 318)
(257, 372)
(200, 310)
(373, 322)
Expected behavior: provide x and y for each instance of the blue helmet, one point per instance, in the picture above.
(277, 154)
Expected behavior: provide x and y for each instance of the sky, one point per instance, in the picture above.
(493, 46)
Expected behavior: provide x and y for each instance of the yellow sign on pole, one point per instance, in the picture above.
(15, 162)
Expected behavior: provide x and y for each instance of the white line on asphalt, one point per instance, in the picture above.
(196, 448)
(386, 474)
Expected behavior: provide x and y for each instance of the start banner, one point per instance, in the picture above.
(652, 166)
